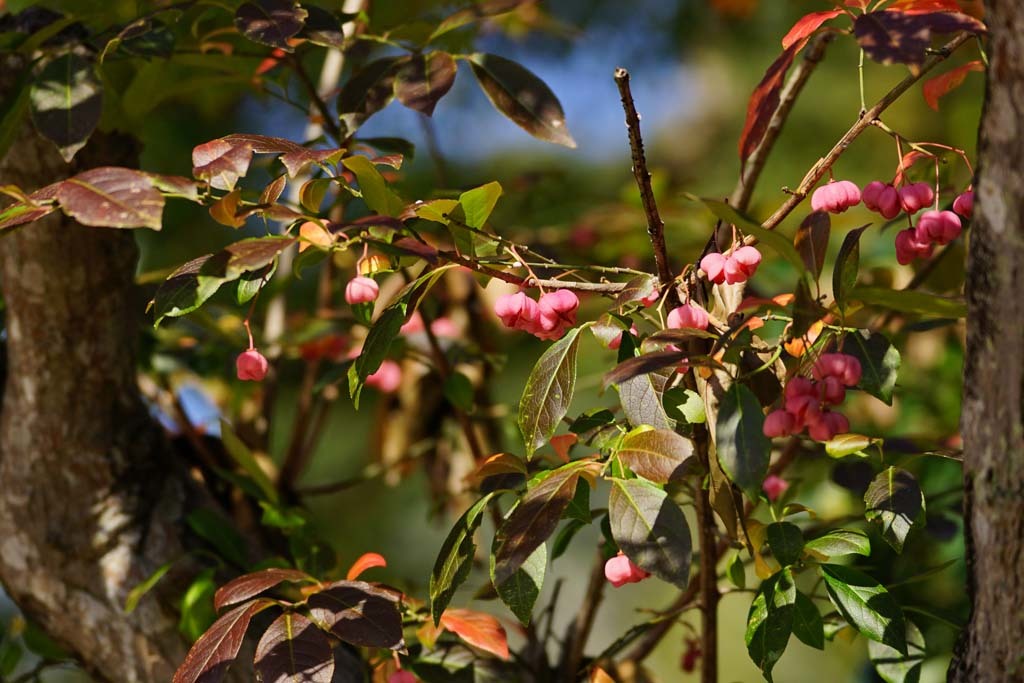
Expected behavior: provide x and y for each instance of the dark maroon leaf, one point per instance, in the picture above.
(293, 650)
(43, 203)
(67, 100)
(271, 22)
(525, 99)
(424, 79)
(657, 455)
(215, 651)
(112, 197)
(272, 192)
(893, 36)
(251, 585)
(641, 399)
(181, 292)
(322, 27)
(811, 241)
(533, 520)
(368, 91)
(359, 613)
(765, 100)
(245, 256)
(221, 163)
(641, 365)
(640, 287)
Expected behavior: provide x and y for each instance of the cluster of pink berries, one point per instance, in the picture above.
(620, 570)
(933, 227)
(733, 268)
(807, 401)
(547, 318)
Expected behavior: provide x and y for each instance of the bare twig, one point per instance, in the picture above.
(579, 629)
(823, 165)
(787, 98)
(655, 226)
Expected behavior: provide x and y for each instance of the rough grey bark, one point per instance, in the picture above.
(991, 647)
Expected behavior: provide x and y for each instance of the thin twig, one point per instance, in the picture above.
(655, 226)
(823, 165)
(329, 124)
(787, 98)
(578, 633)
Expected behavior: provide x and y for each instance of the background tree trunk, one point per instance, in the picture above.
(90, 504)
(991, 648)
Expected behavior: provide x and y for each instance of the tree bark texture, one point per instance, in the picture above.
(991, 647)
(90, 496)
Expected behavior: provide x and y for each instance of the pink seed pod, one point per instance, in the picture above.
(620, 570)
(835, 197)
(964, 204)
(688, 315)
(916, 196)
(828, 425)
(882, 198)
(361, 290)
(941, 227)
(909, 247)
(748, 259)
(842, 366)
(832, 390)
(251, 365)
(714, 266)
(774, 486)
(614, 344)
(799, 386)
(387, 379)
(402, 676)
(556, 314)
(778, 423)
(651, 298)
(444, 328)
(413, 325)
(733, 272)
(805, 410)
(517, 311)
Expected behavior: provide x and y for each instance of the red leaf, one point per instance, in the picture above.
(909, 159)
(293, 650)
(366, 561)
(220, 163)
(214, 652)
(808, 24)
(936, 87)
(112, 197)
(478, 629)
(765, 100)
(359, 613)
(251, 585)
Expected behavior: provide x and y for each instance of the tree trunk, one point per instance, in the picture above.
(991, 647)
(91, 500)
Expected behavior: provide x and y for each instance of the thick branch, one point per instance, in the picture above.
(655, 226)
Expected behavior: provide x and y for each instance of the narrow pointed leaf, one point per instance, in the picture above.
(741, 447)
(423, 80)
(894, 502)
(250, 585)
(521, 590)
(866, 605)
(549, 391)
(66, 102)
(215, 651)
(270, 22)
(651, 530)
(455, 559)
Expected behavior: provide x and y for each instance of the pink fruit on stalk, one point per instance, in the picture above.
(387, 379)
(617, 342)
(620, 570)
(774, 486)
(798, 386)
(832, 390)
(251, 365)
(835, 197)
(688, 315)
(964, 204)
(713, 266)
(842, 366)
(517, 311)
(558, 309)
(916, 196)
(828, 425)
(882, 198)
(651, 298)
(940, 227)
(778, 423)
(748, 259)
(909, 247)
(361, 290)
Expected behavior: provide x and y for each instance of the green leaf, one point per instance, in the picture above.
(650, 529)
(378, 196)
(910, 301)
(458, 389)
(866, 605)
(807, 623)
(455, 558)
(840, 542)
(579, 507)
(67, 100)
(197, 611)
(786, 541)
(693, 408)
(137, 593)
(564, 538)
(521, 590)
(737, 572)
(549, 391)
(13, 110)
(479, 202)
(10, 651)
(849, 444)
(894, 502)
(770, 238)
(533, 520)
(522, 97)
(879, 362)
(770, 621)
(242, 456)
(844, 273)
(655, 454)
(811, 241)
(894, 666)
(213, 528)
(741, 447)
